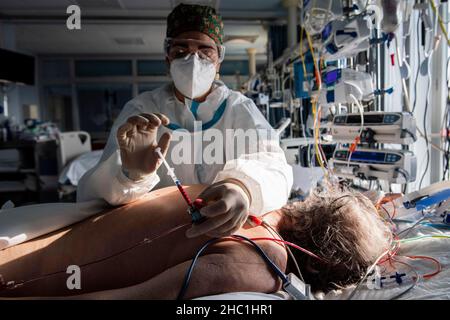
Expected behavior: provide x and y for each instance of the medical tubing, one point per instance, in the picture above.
(435, 261)
(423, 237)
(416, 280)
(288, 249)
(187, 278)
(361, 129)
(291, 245)
(441, 22)
(437, 225)
(369, 270)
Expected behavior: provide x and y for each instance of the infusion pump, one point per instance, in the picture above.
(379, 127)
(395, 166)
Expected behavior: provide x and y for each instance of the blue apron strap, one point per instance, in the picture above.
(194, 108)
(217, 116)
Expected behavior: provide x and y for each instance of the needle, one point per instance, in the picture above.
(175, 179)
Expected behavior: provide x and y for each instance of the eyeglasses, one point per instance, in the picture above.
(180, 48)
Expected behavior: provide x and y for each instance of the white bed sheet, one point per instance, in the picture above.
(73, 172)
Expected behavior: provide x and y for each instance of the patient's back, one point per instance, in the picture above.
(110, 248)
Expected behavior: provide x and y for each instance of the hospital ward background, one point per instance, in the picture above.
(355, 95)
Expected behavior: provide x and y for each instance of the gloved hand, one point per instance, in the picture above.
(227, 212)
(137, 143)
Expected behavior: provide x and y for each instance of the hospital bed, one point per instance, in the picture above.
(21, 224)
(75, 158)
(75, 169)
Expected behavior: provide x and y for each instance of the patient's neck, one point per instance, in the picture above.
(274, 218)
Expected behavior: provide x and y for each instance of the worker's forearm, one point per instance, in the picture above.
(108, 182)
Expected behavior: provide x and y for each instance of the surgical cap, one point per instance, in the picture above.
(189, 17)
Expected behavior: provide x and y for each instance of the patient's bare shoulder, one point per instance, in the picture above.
(245, 269)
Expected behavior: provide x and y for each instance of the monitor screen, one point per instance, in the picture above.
(368, 118)
(16, 67)
(370, 157)
(332, 77)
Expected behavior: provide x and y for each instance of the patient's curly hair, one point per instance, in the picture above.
(342, 227)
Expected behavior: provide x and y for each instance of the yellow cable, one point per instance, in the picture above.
(314, 100)
(424, 237)
(316, 136)
(441, 22)
(317, 71)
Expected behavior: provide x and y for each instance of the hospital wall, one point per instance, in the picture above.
(64, 81)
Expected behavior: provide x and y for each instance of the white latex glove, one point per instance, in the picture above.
(137, 143)
(226, 210)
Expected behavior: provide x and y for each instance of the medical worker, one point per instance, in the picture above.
(179, 116)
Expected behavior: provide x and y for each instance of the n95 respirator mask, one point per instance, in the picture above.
(192, 75)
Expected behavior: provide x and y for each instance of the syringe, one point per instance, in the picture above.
(193, 206)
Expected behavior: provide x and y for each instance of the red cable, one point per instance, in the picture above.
(385, 200)
(391, 254)
(291, 245)
(429, 275)
(257, 222)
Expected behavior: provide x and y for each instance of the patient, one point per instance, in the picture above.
(341, 227)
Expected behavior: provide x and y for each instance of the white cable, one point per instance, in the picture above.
(361, 111)
(408, 105)
(352, 294)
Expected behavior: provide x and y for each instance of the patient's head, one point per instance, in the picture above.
(342, 227)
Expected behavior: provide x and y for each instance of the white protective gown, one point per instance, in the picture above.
(265, 173)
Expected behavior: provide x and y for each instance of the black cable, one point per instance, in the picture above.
(187, 278)
(411, 134)
(199, 252)
(446, 155)
(275, 268)
(406, 175)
